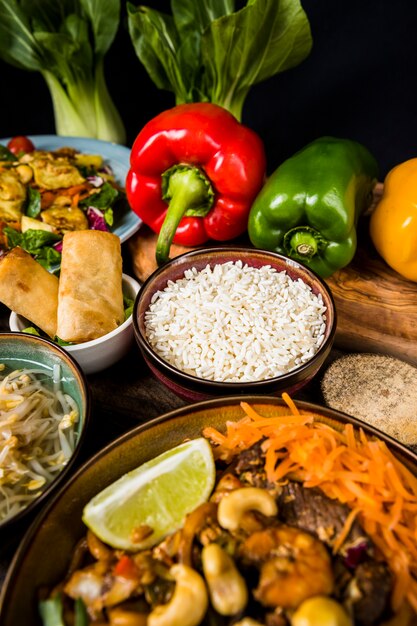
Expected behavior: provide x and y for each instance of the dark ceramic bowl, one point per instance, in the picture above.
(20, 350)
(193, 388)
(46, 550)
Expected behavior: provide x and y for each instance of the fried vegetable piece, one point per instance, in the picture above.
(12, 196)
(64, 219)
(53, 172)
(29, 289)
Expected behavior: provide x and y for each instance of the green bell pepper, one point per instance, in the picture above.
(309, 207)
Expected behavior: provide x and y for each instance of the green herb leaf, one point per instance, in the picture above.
(104, 199)
(109, 217)
(128, 306)
(6, 155)
(34, 240)
(33, 206)
(36, 243)
(48, 257)
(14, 237)
(34, 330)
(61, 342)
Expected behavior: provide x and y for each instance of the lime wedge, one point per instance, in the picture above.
(148, 503)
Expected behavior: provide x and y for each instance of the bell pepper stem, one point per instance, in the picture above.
(188, 192)
(303, 242)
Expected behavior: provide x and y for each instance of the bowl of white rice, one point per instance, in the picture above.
(227, 320)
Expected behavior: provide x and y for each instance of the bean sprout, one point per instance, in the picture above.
(37, 434)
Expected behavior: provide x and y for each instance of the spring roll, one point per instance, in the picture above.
(29, 289)
(90, 296)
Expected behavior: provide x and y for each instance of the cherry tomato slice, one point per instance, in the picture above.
(20, 144)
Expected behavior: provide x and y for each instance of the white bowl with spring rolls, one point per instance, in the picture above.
(87, 310)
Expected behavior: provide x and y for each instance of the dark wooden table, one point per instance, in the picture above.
(123, 397)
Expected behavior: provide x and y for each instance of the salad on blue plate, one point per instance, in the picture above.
(50, 185)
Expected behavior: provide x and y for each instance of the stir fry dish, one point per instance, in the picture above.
(44, 194)
(37, 434)
(305, 526)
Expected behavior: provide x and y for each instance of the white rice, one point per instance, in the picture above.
(236, 323)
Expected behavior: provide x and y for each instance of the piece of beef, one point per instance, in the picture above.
(311, 510)
(249, 466)
(368, 592)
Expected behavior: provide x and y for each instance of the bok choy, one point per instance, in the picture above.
(66, 41)
(208, 51)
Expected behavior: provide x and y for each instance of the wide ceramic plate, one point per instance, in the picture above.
(44, 553)
(126, 222)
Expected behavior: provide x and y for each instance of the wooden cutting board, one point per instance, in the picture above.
(376, 307)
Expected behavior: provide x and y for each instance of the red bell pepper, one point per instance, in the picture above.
(194, 173)
(126, 567)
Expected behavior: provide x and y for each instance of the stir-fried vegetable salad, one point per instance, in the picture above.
(294, 533)
(44, 194)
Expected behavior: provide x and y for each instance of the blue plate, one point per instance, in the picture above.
(126, 222)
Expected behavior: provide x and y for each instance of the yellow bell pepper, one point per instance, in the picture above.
(393, 224)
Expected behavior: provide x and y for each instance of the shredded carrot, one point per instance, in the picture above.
(345, 531)
(47, 199)
(291, 404)
(74, 200)
(76, 189)
(347, 465)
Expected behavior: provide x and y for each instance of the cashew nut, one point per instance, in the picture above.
(233, 506)
(227, 588)
(120, 617)
(188, 603)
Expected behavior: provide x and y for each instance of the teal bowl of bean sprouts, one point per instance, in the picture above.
(44, 410)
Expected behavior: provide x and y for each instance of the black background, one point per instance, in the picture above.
(360, 81)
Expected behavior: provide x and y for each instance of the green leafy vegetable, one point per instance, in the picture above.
(104, 199)
(33, 207)
(31, 240)
(207, 51)
(6, 155)
(81, 615)
(14, 237)
(66, 41)
(51, 611)
(34, 330)
(109, 217)
(48, 257)
(36, 242)
(128, 306)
